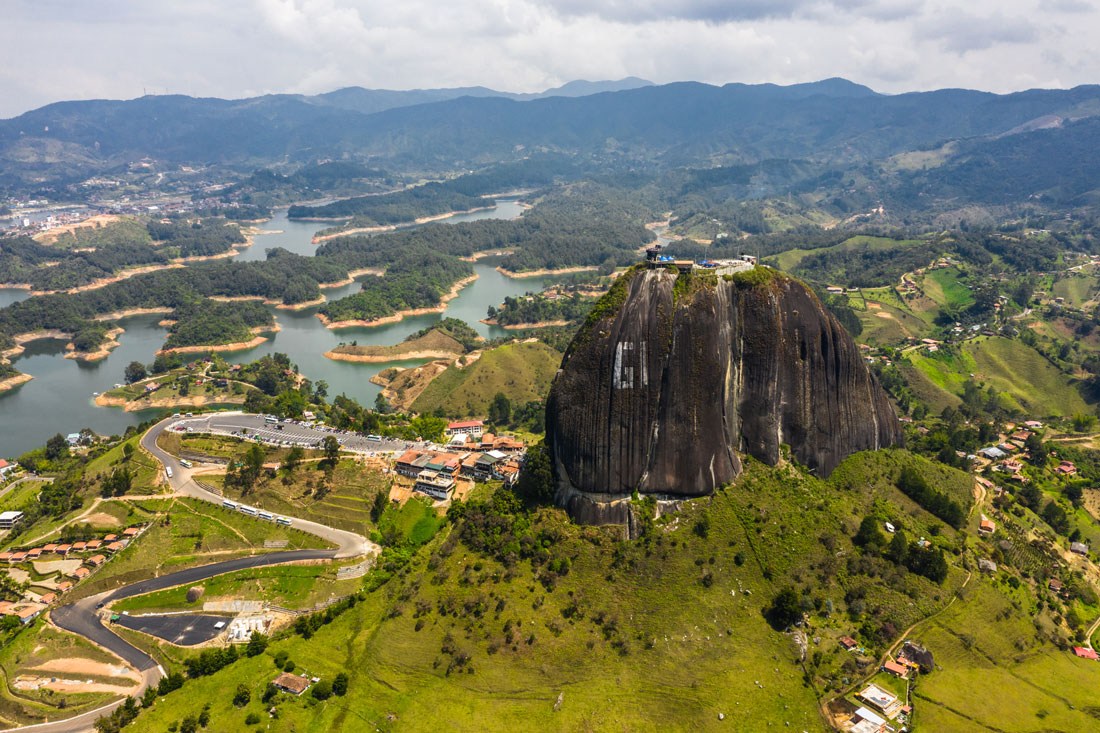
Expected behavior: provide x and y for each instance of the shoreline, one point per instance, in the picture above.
(278, 305)
(399, 315)
(374, 229)
(105, 281)
(487, 253)
(117, 315)
(110, 343)
(353, 275)
(429, 354)
(524, 326)
(6, 385)
(137, 405)
(236, 346)
(546, 272)
(25, 338)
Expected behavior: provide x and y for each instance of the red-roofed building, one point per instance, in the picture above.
(93, 544)
(848, 643)
(114, 546)
(81, 573)
(48, 598)
(470, 427)
(987, 526)
(1086, 653)
(52, 547)
(64, 585)
(96, 560)
(33, 553)
(110, 538)
(63, 549)
(79, 546)
(1066, 468)
(5, 556)
(131, 532)
(898, 670)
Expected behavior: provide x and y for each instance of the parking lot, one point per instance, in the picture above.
(287, 433)
(184, 629)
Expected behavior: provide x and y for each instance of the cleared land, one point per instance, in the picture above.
(1023, 378)
(523, 371)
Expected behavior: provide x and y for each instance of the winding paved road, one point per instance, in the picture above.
(83, 616)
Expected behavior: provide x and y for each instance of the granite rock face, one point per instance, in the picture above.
(675, 375)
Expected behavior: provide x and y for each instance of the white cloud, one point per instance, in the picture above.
(56, 50)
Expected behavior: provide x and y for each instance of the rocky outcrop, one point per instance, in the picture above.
(674, 376)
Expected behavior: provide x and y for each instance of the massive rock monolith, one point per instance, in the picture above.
(674, 375)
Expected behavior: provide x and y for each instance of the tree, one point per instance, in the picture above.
(322, 690)
(118, 483)
(869, 536)
(378, 506)
(1075, 494)
(57, 447)
(242, 696)
(1055, 516)
(257, 643)
(500, 409)
(190, 724)
(1036, 449)
(320, 390)
(127, 451)
(293, 458)
(340, 684)
(382, 405)
(135, 372)
(898, 549)
(536, 480)
(331, 446)
(785, 610)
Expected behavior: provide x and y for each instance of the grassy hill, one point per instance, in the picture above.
(1024, 380)
(513, 621)
(522, 371)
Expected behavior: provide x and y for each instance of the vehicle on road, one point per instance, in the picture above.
(374, 437)
(285, 521)
(185, 463)
(168, 471)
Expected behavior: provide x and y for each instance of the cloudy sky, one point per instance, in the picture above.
(76, 49)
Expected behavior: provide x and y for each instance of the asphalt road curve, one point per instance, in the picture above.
(349, 544)
(83, 616)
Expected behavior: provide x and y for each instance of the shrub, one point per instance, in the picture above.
(242, 696)
(322, 690)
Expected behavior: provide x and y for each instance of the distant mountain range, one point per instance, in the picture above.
(687, 123)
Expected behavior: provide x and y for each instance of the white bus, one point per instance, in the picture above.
(374, 437)
(185, 463)
(270, 419)
(246, 510)
(168, 471)
(285, 521)
(229, 504)
(265, 515)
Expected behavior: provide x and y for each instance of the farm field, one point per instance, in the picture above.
(1022, 377)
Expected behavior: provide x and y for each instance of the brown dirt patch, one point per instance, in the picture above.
(102, 519)
(84, 666)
